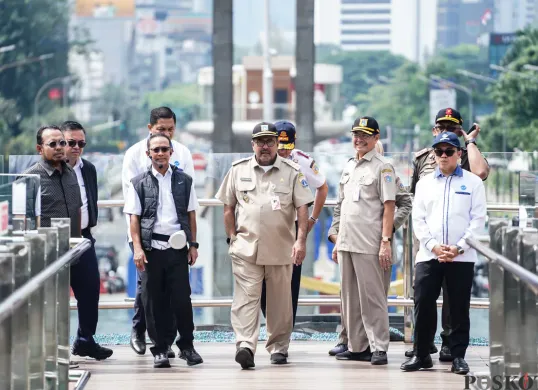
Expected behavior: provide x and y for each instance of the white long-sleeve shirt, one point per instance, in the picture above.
(446, 210)
(136, 162)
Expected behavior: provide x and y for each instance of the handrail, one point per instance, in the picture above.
(128, 303)
(22, 294)
(517, 271)
(109, 203)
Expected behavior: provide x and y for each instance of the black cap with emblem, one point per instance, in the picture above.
(449, 114)
(264, 129)
(366, 124)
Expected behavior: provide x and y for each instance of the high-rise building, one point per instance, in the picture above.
(513, 15)
(463, 21)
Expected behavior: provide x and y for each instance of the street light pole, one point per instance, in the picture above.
(476, 76)
(459, 87)
(267, 71)
(64, 81)
(26, 61)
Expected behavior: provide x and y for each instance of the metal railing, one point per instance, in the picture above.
(34, 307)
(513, 316)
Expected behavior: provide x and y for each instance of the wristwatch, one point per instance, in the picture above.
(386, 239)
(460, 250)
(470, 141)
(194, 244)
(313, 219)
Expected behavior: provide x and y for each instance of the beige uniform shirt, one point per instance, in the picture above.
(265, 207)
(365, 185)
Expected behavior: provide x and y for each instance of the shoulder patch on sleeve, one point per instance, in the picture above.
(292, 164)
(422, 152)
(241, 160)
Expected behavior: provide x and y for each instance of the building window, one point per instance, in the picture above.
(366, 42)
(364, 11)
(366, 1)
(367, 21)
(364, 32)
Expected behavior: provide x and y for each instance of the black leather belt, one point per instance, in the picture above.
(160, 237)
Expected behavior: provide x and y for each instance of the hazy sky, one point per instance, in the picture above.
(248, 19)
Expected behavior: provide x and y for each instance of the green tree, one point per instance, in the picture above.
(35, 28)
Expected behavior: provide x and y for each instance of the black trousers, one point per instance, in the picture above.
(86, 284)
(428, 282)
(295, 286)
(165, 286)
(139, 317)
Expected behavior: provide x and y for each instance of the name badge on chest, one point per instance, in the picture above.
(275, 202)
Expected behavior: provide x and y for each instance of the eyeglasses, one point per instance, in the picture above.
(72, 143)
(53, 144)
(449, 152)
(362, 135)
(269, 143)
(159, 149)
(451, 129)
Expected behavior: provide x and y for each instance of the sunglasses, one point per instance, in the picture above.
(53, 144)
(449, 152)
(160, 149)
(72, 143)
(270, 143)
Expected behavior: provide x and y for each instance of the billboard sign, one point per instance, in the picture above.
(105, 8)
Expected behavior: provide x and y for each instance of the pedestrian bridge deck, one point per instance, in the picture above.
(310, 368)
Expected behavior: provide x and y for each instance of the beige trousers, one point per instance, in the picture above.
(246, 315)
(365, 320)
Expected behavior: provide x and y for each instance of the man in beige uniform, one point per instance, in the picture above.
(261, 196)
(362, 231)
(404, 205)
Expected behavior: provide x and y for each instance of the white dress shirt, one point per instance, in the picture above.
(446, 210)
(166, 222)
(84, 209)
(314, 177)
(136, 162)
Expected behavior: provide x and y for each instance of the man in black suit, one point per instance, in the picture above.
(85, 278)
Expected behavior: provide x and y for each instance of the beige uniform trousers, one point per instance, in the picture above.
(246, 316)
(342, 337)
(364, 301)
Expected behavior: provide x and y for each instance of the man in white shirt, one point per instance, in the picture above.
(135, 162)
(162, 202)
(449, 206)
(85, 278)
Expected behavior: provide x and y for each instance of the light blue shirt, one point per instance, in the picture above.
(448, 209)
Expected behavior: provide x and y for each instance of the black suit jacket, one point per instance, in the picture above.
(89, 175)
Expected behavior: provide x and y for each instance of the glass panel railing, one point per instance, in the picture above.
(211, 277)
(18, 201)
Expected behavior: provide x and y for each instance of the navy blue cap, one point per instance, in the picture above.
(286, 135)
(447, 138)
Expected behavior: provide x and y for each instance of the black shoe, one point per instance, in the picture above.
(411, 352)
(460, 366)
(245, 357)
(416, 363)
(91, 349)
(138, 342)
(379, 358)
(170, 353)
(161, 361)
(339, 348)
(278, 358)
(364, 356)
(191, 356)
(445, 355)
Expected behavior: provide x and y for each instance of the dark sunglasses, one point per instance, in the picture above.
(53, 144)
(449, 152)
(72, 143)
(160, 149)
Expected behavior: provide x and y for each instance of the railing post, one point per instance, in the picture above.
(36, 306)
(19, 324)
(62, 320)
(6, 288)
(511, 305)
(528, 315)
(497, 229)
(51, 336)
(408, 279)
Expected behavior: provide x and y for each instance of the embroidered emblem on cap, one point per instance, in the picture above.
(283, 136)
(448, 112)
(445, 137)
(363, 122)
(264, 127)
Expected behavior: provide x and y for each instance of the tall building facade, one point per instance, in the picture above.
(513, 15)
(463, 21)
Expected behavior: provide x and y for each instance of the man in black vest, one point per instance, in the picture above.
(85, 279)
(162, 203)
